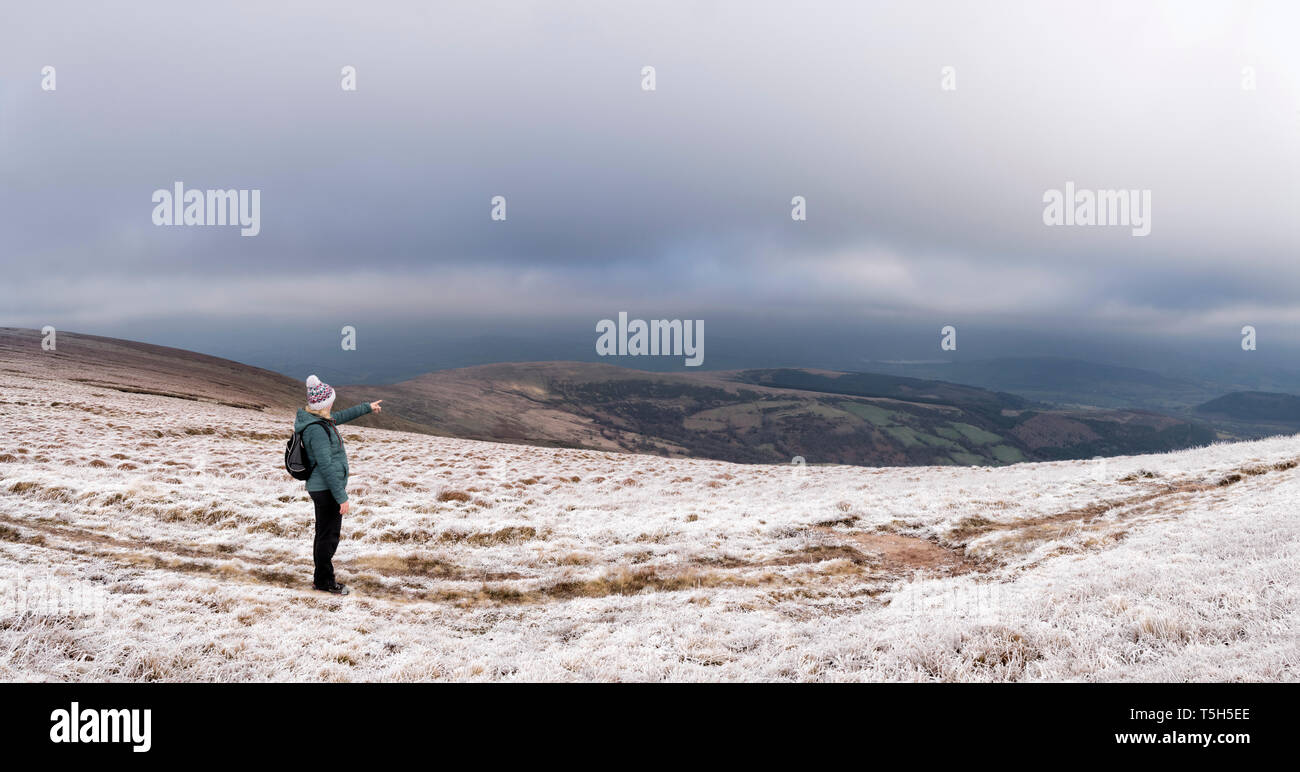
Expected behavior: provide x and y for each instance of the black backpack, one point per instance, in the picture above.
(296, 460)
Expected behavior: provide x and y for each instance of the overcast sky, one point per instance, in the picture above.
(924, 205)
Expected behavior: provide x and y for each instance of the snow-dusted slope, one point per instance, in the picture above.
(147, 537)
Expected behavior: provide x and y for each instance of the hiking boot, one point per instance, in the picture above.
(336, 588)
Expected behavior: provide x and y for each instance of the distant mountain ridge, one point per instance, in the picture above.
(1256, 406)
(755, 416)
(1065, 381)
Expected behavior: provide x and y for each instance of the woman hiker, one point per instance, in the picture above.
(328, 483)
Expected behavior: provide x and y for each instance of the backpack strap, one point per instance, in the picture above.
(326, 424)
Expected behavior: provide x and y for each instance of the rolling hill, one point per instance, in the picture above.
(128, 366)
(769, 416)
(112, 365)
(1255, 406)
(1250, 414)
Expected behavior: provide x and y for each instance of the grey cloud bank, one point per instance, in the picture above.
(925, 206)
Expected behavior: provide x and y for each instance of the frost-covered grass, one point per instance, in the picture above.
(147, 537)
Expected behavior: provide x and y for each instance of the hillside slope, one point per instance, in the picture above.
(122, 366)
(146, 537)
(127, 366)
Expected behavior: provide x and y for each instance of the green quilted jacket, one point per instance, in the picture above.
(326, 451)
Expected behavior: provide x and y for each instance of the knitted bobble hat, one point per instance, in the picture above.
(319, 395)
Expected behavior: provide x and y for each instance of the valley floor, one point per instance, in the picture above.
(145, 537)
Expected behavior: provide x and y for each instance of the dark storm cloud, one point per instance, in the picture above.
(922, 202)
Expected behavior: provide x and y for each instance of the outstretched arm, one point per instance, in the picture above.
(354, 412)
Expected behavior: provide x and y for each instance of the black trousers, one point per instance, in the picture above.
(328, 523)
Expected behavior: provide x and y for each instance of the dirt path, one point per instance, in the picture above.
(876, 557)
(976, 526)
